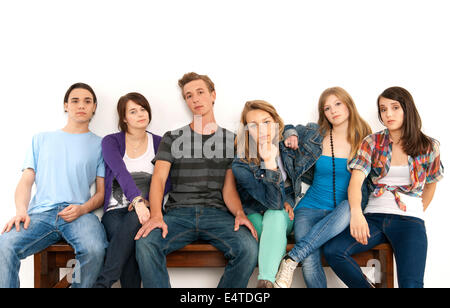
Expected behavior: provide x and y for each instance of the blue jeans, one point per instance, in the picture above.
(186, 225)
(408, 238)
(313, 228)
(85, 234)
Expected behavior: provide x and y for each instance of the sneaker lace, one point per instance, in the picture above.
(285, 274)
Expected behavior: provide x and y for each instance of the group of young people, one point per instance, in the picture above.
(241, 193)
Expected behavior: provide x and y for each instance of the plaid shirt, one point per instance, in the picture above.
(374, 159)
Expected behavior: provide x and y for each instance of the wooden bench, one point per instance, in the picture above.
(48, 262)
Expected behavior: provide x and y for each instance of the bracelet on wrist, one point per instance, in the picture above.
(135, 201)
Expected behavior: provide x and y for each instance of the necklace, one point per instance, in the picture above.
(334, 167)
(135, 148)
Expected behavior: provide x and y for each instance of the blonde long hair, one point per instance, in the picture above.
(357, 130)
(243, 142)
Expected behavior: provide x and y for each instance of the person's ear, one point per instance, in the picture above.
(65, 106)
(213, 94)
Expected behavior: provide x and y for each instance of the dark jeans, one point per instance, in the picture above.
(121, 227)
(186, 225)
(408, 238)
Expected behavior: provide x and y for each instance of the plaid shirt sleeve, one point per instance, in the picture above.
(435, 171)
(363, 158)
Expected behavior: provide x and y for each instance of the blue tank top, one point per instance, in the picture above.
(320, 194)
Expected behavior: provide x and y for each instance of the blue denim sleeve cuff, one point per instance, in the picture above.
(290, 200)
(273, 176)
(290, 132)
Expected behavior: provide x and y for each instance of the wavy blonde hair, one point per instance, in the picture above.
(243, 142)
(357, 130)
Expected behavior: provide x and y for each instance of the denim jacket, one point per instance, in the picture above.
(299, 164)
(261, 189)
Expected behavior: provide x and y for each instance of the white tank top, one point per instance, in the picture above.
(385, 204)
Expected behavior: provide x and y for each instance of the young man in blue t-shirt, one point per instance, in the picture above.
(63, 164)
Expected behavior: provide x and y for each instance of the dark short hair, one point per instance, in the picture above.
(122, 108)
(79, 85)
(188, 77)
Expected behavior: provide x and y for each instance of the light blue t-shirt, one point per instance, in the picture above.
(320, 194)
(66, 165)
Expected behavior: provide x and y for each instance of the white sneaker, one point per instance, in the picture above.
(285, 273)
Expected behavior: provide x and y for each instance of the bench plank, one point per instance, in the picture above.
(48, 262)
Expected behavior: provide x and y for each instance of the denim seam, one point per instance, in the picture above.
(322, 229)
(20, 253)
(308, 245)
(176, 237)
(347, 256)
(230, 249)
(407, 218)
(386, 224)
(356, 243)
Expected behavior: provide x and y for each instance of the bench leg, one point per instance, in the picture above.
(387, 268)
(46, 273)
(39, 270)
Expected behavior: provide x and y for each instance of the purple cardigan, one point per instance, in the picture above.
(113, 150)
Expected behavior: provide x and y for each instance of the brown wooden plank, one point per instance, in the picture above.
(199, 247)
(198, 254)
(59, 247)
(196, 259)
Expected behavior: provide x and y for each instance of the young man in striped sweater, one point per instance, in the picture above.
(204, 203)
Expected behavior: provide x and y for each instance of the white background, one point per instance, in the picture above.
(285, 52)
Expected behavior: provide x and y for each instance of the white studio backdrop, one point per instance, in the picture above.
(285, 52)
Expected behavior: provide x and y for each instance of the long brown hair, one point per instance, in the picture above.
(243, 142)
(357, 130)
(414, 142)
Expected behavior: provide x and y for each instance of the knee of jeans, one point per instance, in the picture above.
(97, 252)
(312, 263)
(149, 245)
(93, 249)
(332, 250)
(247, 248)
(6, 250)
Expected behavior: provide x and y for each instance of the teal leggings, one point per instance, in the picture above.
(273, 226)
